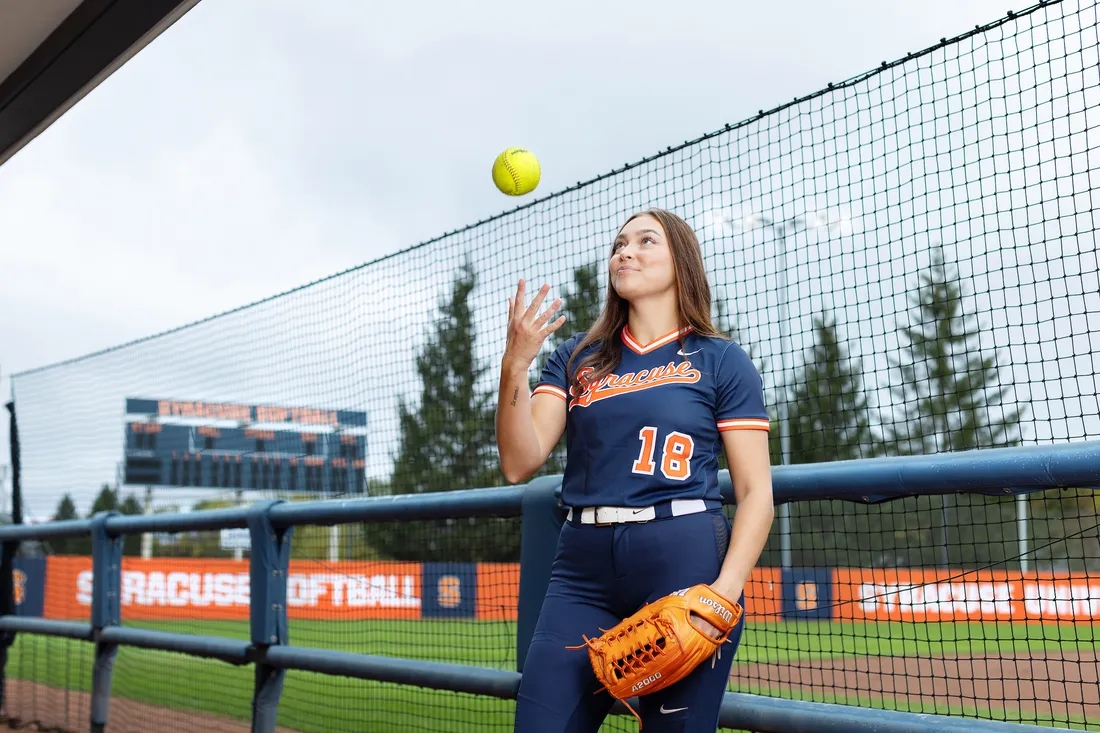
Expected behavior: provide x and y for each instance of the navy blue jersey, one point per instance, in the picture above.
(651, 431)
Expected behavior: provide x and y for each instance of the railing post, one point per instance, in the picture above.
(10, 549)
(540, 526)
(106, 611)
(7, 608)
(268, 565)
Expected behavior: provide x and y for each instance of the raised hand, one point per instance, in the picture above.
(526, 329)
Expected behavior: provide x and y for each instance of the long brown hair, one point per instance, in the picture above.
(693, 301)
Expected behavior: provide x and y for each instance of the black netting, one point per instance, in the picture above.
(909, 258)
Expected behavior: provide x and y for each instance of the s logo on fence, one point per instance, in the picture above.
(806, 596)
(19, 583)
(449, 591)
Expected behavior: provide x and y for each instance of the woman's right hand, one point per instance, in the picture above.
(526, 329)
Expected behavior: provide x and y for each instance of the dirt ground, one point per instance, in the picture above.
(1058, 687)
(31, 706)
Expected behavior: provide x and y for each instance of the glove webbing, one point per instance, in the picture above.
(645, 640)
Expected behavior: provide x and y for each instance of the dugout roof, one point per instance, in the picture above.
(53, 52)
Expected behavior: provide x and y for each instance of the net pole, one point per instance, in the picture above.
(784, 428)
(1021, 529)
(9, 549)
(147, 537)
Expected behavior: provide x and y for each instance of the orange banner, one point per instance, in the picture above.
(763, 594)
(208, 589)
(498, 591)
(186, 588)
(955, 595)
(189, 588)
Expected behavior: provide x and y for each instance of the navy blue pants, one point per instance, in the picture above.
(602, 574)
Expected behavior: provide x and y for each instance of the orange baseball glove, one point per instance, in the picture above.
(660, 644)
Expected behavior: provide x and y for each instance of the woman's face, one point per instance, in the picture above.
(641, 261)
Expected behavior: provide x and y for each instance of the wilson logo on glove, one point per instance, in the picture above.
(660, 644)
(718, 608)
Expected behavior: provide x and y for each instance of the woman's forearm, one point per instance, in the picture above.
(517, 441)
(751, 525)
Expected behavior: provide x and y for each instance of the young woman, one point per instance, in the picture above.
(648, 397)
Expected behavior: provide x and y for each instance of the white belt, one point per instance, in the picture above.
(620, 514)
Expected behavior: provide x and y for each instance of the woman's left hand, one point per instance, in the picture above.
(706, 626)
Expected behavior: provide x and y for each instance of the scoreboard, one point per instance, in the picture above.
(247, 447)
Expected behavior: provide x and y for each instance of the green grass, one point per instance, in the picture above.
(797, 640)
(478, 643)
(310, 702)
(323, 704)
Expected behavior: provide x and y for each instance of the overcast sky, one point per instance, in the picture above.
(257, 146)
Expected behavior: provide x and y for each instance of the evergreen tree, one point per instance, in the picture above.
(829, 418)
(131, 543)
(829, 421)
(447, 440)
(949, 394)
(131, 505)
(66, 509)
(582, 302)
(581, 306)
(947, 386)
(727, 325)
(105, 501)
(447, 443)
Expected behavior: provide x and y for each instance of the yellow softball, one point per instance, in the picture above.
(516, 171)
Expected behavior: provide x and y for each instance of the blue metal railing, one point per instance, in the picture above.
(271, 525)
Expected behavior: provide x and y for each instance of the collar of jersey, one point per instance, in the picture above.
(639, 348)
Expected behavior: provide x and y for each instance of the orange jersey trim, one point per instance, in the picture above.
(639, 348)
(550, 389)
(743, 423)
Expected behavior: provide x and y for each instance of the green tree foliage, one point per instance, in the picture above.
(829, 417)
(447, 439)
(948, 387)
(447, 443)
(66, 509)
(131, 543)
(1062, 530)
(106, 501)
(204, 543)
(131, 505)
(581, 302)
(950, 400)
(949, 393)
(581, 306)
(829, 420)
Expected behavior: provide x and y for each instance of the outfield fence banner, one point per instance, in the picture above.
(945, 595)
(213, 589)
